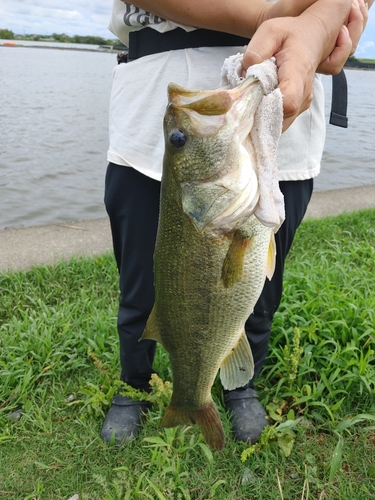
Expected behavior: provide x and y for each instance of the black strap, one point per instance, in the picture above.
(148, 41)
(339, 103)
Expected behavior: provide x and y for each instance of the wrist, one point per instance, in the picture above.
(324, 20)
(332, 14)
(265, 12)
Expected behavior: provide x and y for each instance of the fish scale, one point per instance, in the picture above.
(210, 264)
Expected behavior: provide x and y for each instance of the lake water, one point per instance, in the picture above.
(54, 135)
(349, 154)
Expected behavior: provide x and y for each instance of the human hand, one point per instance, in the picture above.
(347, 39)
(299, 45)
(296, 59)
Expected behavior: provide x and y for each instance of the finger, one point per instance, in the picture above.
(297, 91)
(357, 23)
(263, 45)
(290, 116)
(250, 58)
(297, 98)
(334, 63)
(363, 7)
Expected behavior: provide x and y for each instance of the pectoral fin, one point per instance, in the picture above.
(238, 367)
(232, 269)
(271, 257)
(151, 332)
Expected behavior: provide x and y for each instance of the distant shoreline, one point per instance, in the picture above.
(100, 48)
(359, 65)
(116, 49)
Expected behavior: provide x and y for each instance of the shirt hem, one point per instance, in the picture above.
(298, 175)
(122, 162)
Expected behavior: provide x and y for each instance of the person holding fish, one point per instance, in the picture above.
(187, 43)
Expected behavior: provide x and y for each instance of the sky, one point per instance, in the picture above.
(90, 17)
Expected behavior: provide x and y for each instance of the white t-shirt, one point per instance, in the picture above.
(139, 98)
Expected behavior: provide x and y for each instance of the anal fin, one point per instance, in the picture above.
(238, 367)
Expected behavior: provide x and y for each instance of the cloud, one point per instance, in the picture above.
(366, 45)
(90, 17)
(45, 17)
(365, 50)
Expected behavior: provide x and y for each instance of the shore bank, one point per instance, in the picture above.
(351, 64)
(22, 248)
(95, 48)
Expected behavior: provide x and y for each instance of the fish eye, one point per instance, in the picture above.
(178, 138)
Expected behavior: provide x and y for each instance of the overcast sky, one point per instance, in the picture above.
(90, 17)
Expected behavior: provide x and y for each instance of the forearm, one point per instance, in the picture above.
(240, 17)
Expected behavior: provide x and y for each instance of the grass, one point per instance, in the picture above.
(59, 364)
(372, 61)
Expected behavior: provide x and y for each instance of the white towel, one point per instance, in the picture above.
(265, 135)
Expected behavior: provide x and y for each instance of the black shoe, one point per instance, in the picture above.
(247, 415)
(123, 420)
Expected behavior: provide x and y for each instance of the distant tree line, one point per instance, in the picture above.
(90, 40)
(353, 62)
(6, 34)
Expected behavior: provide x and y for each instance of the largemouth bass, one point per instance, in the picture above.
(212, 254)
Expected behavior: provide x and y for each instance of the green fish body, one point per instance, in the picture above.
(212, 255)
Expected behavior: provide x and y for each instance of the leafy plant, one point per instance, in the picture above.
(321, 441)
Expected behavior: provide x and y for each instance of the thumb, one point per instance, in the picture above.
(249, 59)
(263, 45)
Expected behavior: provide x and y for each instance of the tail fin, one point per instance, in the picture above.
(207, 418)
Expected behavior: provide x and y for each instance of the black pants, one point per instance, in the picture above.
(132, 203)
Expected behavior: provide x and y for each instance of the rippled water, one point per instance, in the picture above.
(54, 135)
(349, 154)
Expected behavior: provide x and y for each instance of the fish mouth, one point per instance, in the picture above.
(212, 102)
(208, 110)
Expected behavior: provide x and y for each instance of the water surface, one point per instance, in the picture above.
(54, 135)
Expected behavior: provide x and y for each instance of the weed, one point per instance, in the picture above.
(59, 369)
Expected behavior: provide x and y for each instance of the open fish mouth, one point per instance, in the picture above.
(208, 109)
